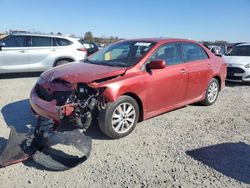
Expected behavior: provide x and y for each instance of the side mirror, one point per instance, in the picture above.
(2, 44)
(156, 64)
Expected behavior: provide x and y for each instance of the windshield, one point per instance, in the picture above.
(240, 51)
(122, 54)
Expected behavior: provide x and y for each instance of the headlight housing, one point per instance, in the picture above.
(247, 65)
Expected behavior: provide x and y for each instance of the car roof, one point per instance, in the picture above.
(42, 35)
(162, 40)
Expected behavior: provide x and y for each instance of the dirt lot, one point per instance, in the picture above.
(194, 146)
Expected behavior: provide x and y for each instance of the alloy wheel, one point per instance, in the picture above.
(213, 92)
(123, 117)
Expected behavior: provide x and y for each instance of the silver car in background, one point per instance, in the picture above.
(25, 52)
(238, 63)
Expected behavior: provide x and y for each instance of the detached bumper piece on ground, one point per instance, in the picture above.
(38, 145)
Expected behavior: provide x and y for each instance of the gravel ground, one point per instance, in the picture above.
(194, 146)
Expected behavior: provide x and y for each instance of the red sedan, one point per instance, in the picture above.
(129, 81)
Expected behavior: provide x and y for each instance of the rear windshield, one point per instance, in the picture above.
(240, 51)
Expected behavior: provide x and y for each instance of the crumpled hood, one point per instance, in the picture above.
(238, 60)
(81, 72)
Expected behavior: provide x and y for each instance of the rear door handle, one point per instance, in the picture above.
(53, 50)
(22, 51)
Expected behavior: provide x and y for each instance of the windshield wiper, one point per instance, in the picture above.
(106, 63)
(88, 61)
(117, 64)
(97, 63)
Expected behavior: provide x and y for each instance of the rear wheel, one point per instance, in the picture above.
(119, 118)
(212, 92)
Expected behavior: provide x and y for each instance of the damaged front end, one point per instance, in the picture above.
(82, 105)
(77, 102)
(73, 92)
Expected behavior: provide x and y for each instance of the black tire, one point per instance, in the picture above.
(105, 117)
(207, 101)
(61, 62)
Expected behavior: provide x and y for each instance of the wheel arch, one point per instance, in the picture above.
(217, 77)
(70, 59)
(139, 102)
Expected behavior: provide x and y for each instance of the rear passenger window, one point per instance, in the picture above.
(193, 52)
(171, 53)
(41, 41)
(63, 42)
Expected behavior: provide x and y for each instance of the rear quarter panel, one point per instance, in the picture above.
(218, 66)
(222, 70)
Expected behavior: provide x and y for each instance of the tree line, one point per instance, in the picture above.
(88, 37)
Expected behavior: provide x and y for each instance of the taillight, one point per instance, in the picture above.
(82, 49)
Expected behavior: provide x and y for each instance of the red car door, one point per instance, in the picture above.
(199, 69)
(166, 87)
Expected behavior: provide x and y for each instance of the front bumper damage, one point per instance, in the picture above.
(46, 109)
(76, 103)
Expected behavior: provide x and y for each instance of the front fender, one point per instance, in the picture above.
(114, 90)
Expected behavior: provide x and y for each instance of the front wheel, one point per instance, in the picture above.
(212, 92)
(119, 118)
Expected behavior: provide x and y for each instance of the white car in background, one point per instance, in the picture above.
(238, 63)
(25, 52)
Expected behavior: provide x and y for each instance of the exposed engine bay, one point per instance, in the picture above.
(80, 107)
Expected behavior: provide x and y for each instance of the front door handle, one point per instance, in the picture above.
(22, 51)
(183, 71)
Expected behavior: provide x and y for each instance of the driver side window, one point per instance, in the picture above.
(171, 53)
(14, 41)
